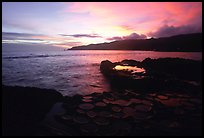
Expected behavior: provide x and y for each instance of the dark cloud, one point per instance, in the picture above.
(135, 36)
(18, 36)
(69, 44)
(22, 38)
(82, 35)
(116, 38)
(166, 31)
(131, 36)
(26, 38)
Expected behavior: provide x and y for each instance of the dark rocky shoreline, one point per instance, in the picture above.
(150, 108)
(25, 107)
(160, 74)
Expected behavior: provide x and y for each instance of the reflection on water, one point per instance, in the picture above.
(132, 69)
(71, 72)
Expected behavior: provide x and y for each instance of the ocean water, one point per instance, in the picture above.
(69, 72)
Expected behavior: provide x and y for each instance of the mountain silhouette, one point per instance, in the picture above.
(183, 42)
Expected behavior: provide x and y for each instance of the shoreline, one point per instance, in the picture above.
(121, 111)
(25, 107)
(127, 50)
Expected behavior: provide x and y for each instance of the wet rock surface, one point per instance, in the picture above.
(155, 97)
(162, 74)
(24, 108)
(127, 113)
(150, 114)
(157, 102)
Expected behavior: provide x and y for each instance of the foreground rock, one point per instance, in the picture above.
(159, 97)
(25, 107)
(130, 113)
(154, 74)
(124, 113)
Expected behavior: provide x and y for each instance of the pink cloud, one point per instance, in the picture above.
(166, 31)
(142, 17)
(131, 36)
(184, 12)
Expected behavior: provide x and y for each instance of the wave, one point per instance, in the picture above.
(31, 56)
(83, 65)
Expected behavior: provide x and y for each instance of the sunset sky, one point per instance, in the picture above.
(69, 24)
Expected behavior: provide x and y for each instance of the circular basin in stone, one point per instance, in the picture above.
(91, 114)
(86, 106)
(86, 100)
(147, 102)
(107, 131)
(109, 96)
(89, 128)
(118, 115)
(80, 119)
(101, 121)
(196, 101)
(132, 69)
(172, 102)
(174, 125)
(143, 108)
(162, 97)
(66, 117)
(152, 94)
(140, 116)
(116, 109)
(106, 101)
(121, 102)
(136, 101)
(121, 125)
(100, 104)
(128, 111)
(188, 106)
(87, 97)
(80, 111)
(168, 126)
(179, 111)
(104, 114)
